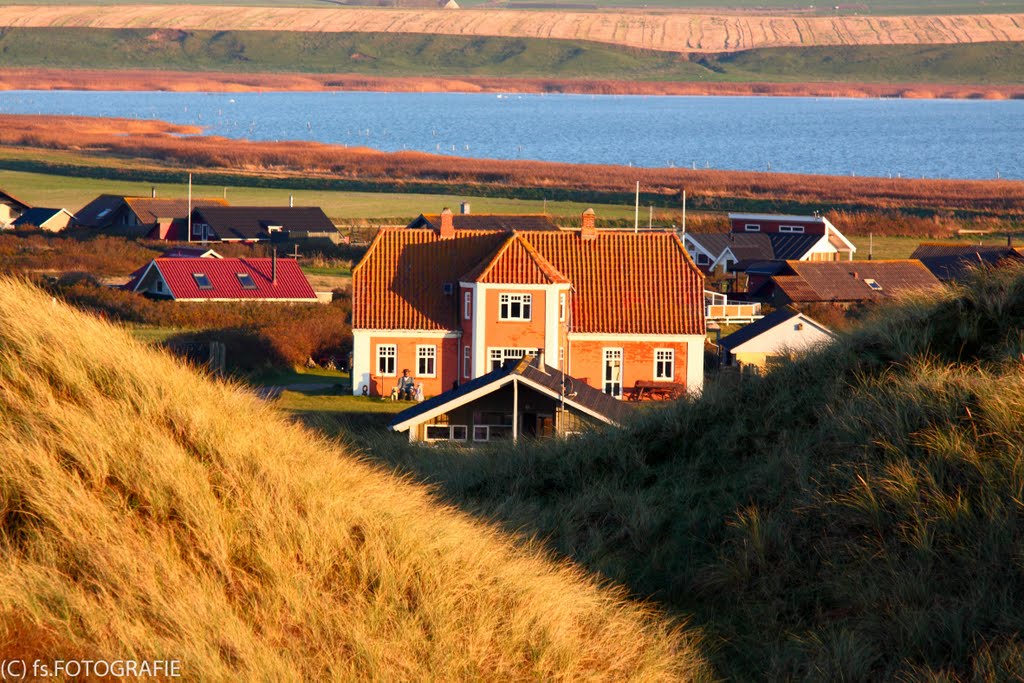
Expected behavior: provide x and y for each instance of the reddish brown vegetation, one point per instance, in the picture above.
(413, 170)
(178, 81)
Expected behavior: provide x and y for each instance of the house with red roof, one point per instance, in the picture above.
(223, 279)
(451, 305)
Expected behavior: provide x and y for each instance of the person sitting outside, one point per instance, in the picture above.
(406, 386)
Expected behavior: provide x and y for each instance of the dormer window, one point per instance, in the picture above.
(246, 281)
(202, 281)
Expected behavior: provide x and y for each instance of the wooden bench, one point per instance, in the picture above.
(655, 391)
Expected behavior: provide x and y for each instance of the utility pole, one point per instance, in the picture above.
(188, 228)
(650, 216)
(684, 212)
(636, 213)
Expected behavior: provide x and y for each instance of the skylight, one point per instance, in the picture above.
(872, 284)
(246, 281)
(202, 281)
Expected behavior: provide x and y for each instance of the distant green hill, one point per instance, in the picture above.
(451, 56)
(855, 515)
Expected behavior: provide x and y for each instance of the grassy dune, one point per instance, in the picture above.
(392, 55)
(148, 513)
(855, 515)
(664, 31)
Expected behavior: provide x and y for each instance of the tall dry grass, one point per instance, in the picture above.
(42, 78)
(146, 512)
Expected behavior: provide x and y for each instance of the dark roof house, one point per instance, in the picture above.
(954, 261)
(156, 218)
(10, 208)
(850, 281)
(488, 221)
(53, 220)
(259, 223)
(524, 398)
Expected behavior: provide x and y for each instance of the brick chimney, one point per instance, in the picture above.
(588, 230)
(447, 230)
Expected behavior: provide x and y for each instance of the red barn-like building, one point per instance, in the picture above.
(451, 305)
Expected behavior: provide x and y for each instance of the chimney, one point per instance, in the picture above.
(540, 361)
(1009, 241)
(464, 208)
(273, 268)
(447, 230)
(855, 275)
(152, 191)
(588, 231)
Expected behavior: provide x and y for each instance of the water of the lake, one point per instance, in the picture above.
(864, 137)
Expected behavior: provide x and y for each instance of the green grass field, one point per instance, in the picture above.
(73, 193)
(396, 55)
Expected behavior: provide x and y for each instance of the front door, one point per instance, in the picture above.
(613, 372)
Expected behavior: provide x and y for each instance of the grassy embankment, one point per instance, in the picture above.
(405, 55)
(136, 525)
(855, 515)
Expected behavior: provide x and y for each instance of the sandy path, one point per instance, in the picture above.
(676, 32)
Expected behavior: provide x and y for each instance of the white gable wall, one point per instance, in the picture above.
(786, 337)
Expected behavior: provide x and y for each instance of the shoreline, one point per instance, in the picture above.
(33, 78)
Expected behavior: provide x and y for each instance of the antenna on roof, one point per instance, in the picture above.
(188, 228)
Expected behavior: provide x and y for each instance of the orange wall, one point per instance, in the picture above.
(513, 333)
(586, 361)
(447, 364)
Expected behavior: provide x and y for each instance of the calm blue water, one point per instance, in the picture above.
(864, 137)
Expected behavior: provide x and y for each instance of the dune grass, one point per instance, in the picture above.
(146, 512)
(452, 56)
(854, 515)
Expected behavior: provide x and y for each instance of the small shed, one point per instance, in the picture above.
(53, 220)
(774, 336)
(523, 398)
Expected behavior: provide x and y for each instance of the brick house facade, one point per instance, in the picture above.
(450, 305)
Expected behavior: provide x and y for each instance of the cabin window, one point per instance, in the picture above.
(664, 364)
(481, 433)
(460, 432)
(467, 305)
(246, 281)
(561, 307)
(515, 306)
(752, 227)
(438, 433)
(872, 284)
(613, 372)
(386, 355)
(791, 228)
(202, 281)
(159, 285)
(703, 260)
(467, 359)
(426, 361)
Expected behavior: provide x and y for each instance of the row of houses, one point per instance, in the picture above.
(176, 220)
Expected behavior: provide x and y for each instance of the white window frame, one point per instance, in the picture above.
(671, 360)
(611, 354)
(428, 353)
(467, 361)
(487, 433)
(200, 285)
(393, 355)
(561, 307)
(752, 227)
(467, 305)
(791, 228)
(503, 354)
(427, 428)
(873, 284)
(703, 259)
(505, 302)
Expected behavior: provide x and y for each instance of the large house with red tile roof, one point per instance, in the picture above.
(212, 278)
(451, 305)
